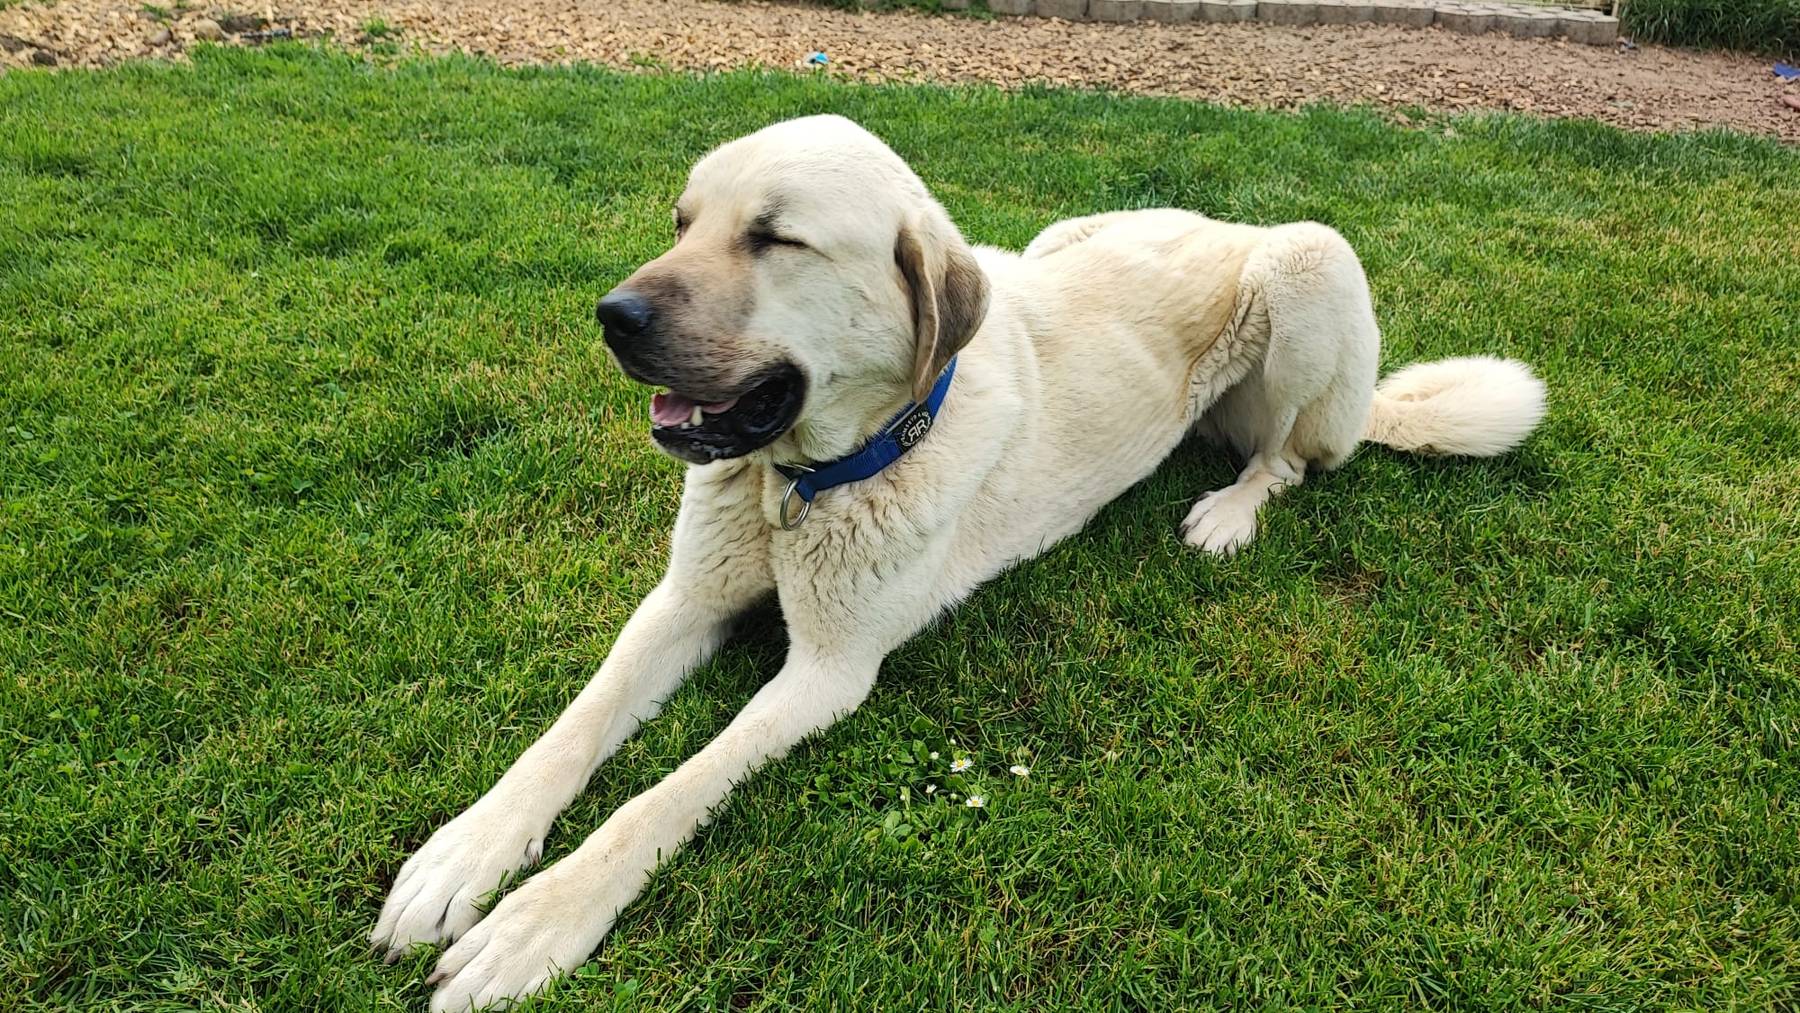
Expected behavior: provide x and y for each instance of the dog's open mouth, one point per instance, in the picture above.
(699, 431)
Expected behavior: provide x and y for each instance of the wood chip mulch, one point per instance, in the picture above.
(1252, 64)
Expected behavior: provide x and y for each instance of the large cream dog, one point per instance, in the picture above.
(814, 289)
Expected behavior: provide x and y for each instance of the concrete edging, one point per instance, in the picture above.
(1527, 21)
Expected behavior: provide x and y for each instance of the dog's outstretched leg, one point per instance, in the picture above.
(552, 922)
(717, 568)
(842, 620)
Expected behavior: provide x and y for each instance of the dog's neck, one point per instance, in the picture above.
(856, 414)
(903, 430)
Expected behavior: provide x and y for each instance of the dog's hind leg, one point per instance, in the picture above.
(1223, 520)
(1309, 403)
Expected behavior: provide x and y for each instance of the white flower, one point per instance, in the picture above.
(960, 764)
(1020, 769)
(934, 754)
(931, 789)
(975, 801)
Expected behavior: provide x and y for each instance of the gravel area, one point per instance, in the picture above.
(1251, 64)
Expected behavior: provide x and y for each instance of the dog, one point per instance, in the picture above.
(878, 417)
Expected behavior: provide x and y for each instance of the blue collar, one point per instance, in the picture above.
(901, 434)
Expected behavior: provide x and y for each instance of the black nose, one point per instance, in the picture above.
(624, 313)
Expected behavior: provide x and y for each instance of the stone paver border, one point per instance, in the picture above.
(1527, 21)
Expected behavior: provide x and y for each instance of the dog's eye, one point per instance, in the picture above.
(762, 239)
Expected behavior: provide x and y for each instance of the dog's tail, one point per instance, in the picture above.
(1476, 407)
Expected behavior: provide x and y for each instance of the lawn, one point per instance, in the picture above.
(319, 499)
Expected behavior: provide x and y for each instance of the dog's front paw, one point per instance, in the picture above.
(1221, 522)
(435, 896)
(544, 928)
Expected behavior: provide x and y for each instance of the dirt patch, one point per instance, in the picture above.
(1252, 64)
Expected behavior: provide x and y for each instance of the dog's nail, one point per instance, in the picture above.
(434, 978)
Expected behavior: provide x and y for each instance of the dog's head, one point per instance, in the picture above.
(813, 287)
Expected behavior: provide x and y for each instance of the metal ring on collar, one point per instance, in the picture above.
(787, 496)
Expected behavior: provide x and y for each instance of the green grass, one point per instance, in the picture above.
(1760, 25)
(318, 500)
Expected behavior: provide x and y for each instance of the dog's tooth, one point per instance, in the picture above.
(698, 418)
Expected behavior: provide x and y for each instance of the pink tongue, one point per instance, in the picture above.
(670, 409)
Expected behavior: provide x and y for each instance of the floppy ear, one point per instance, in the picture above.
(949, 295)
